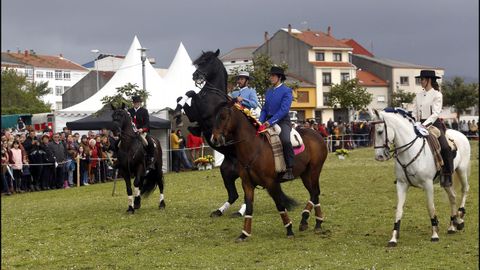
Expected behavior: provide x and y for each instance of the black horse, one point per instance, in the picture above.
(203, 109)
(131, 160)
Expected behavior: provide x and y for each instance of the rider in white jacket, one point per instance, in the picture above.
(428, 106)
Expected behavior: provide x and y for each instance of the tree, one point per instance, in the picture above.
(21, 96)
(259, 73)
(400, 97)
(459, 95)
(124, 95)
(348, 94)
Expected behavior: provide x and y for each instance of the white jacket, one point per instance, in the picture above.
(428, 105)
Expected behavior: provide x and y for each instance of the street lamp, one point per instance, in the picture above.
(143, 57)
(97, 52)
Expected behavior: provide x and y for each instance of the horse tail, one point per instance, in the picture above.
(287, 202)
(149, 184)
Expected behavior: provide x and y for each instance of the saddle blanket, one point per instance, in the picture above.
(272, 134)
(432, 140)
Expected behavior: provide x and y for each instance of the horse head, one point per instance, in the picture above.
(226, 123)
(121, 119)
(210, 70)
(382, 136)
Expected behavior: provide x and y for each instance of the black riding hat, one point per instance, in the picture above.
(136, 99)
(427, 74)
(278, 71)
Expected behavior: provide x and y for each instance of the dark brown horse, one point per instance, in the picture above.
(256, 166)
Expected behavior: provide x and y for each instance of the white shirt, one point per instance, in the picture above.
(428, 105)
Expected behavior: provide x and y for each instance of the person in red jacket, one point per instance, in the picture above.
(194, 143)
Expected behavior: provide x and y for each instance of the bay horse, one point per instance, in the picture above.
(131, 161)
(415, 167)
(256, 167)
(211, 73)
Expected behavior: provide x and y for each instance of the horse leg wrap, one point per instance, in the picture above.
(247, 225)
(308, 207)
(396, 227)
(137, 191)
(130, 201)
(434, 221)
(285, 219)
(318, 212)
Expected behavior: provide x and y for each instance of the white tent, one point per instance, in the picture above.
(163, 92)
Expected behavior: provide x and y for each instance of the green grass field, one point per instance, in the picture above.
(87, 228)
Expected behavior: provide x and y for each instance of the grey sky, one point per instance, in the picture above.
(441, 33)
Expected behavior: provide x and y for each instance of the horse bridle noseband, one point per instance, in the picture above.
(394, 152)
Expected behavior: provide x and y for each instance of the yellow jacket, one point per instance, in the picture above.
(174, 141)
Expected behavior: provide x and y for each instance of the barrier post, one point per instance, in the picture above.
(78, 170)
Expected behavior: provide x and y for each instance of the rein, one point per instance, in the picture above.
(394, 152)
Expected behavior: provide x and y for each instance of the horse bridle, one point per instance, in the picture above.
(231, 142)
(394, 152)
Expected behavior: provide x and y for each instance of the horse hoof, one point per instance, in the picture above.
(318, 230)
(451, 231)
(291, 236)
(303, 227)
(235, 215)
(435, 239)
(130, 210)
(161, 205)
(461, 226)
(242, 238)
(392, 244)
(136, 203)
(216, 213)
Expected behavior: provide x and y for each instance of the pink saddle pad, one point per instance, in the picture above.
(298, 150)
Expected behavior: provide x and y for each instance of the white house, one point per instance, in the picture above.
(59, 72)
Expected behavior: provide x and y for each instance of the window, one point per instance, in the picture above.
(233, 62)
(404, 80)
(59, 105)
(58, 90)
(50, 90)
(327, 78)
(350, 58)
(319, 56)
(326, 98)
(417, 81)
(39, 74)
(302, 97)
(49, 74)
(345, 76)
(58, 75)
(29, 73)
(381, 99)
(337, 57)
(66, 75)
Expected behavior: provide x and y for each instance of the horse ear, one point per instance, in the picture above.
(217, 52)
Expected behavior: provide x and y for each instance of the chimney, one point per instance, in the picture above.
(289, 28)
(329, 31)
(26, 52)
(265, 36)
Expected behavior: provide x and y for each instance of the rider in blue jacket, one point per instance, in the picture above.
(244, 94)
(278, 100)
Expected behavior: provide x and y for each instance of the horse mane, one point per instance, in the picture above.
(212, 57)
(204, 58)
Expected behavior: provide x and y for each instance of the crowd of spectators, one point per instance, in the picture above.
(34, 161)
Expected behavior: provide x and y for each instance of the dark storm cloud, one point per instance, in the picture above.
(434, 32)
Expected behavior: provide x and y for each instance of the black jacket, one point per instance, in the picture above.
(141, 118)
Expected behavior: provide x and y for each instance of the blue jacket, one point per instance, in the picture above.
(277, 104)
(249, 95)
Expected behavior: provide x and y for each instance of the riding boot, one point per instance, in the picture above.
(150, 164)
(288, 174)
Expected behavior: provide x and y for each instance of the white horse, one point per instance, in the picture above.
(415, 166)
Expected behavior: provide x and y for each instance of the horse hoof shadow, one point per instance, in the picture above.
(216, 213)
(451, 231)
(461, 226)
(161, 205)
(242, 238)
(436, 239)
(392, 244)
(303, 227)
(235, 215)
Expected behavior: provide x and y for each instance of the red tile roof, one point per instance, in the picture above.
(44, 61)
(366, 78)
(357, 48)
(320, 39)
(332, 64)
